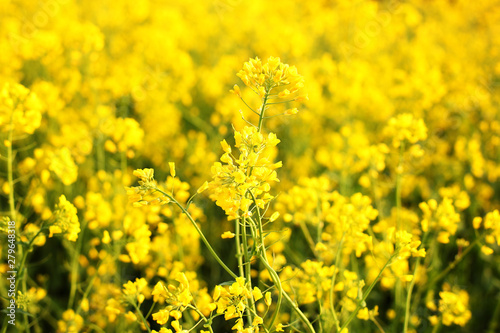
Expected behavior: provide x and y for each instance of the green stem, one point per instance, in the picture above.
(74, 272)
(239, 254)
(263, 258)
(408, 297)
(399, 175)
(332, 293)
(492, 327)
(277, 283)
(150, 310)
(368, 291)
(10, 177)
(247, 267)
(275, 277)
(89, 287)
(202, 236)
(453, 264)
(301, 315)
(375, 321)
(437, 327)
(307, 235)
(262, 110)
(25, 254)
(202, 316)
(410, 288)
(141, 315)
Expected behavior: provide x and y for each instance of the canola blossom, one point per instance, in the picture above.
(249, 166)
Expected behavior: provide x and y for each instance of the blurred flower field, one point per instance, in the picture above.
(250, 166)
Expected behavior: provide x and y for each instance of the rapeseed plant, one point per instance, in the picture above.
(373, 208)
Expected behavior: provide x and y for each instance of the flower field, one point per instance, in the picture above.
(250, 166)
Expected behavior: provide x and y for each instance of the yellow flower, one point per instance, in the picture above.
(363, 314)
(405, 127)
(130, 317)
(105, 238)
(66, 220)
(236, 90)
(71, 322)
(145, 175)
(251, 172)
(454, 307)
(20, 109)
(162, 316)
(271, 75)
(257, 293)
(227, 234)
(442, 218)
(136, 289)
(257, 321)
(267, 298)
(63, 165)
(486, 250)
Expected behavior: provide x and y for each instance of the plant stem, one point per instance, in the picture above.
(74, 272)
(307, 235)
(399, 173)
(10, 176)
(202, 236)
(141, 315)
(408, 296)
(437, 327)
(332, 287)
(454, 263)
(239, 254)
(262, 110)
(365, 295)
(301, 315)
(247, 265)
(492, 327)
(377, 324)
(277, 283)
(275, 277)
(410, 288)
(263, 258)
(202, 316)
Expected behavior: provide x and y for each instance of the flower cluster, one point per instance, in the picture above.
(246, 178)
(262, 78)
(453, 307)
(388, 189)
(440, 217)
(145, 193)
(405, 127)
(65, 220)
(232, 302)
(20, 109)
(491, 225)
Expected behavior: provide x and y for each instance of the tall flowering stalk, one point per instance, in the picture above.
(241, 186)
